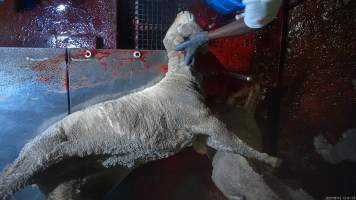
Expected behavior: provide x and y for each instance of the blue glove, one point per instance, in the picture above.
(192, 44)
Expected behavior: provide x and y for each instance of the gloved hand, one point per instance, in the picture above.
(192, 44)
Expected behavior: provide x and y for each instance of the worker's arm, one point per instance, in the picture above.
(258, 13)
(234, 28)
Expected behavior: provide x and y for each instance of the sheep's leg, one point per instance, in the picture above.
(15, 177)
(221, 138)
(50, 148)
(30, 161)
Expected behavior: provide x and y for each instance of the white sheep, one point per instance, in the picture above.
(152, 124)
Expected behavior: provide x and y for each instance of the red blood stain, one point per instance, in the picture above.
(98, 54)
(101, 54)
(205, 16)
(163, 68)
(49, 71)
(43, 78)
(49, 65)
(66, 83)
(144, 55)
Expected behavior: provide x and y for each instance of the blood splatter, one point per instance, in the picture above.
(101, 54)
(49, 71)
(43, 78)
(163, 69)
(144, 55)
(48, 65)
(66, 83)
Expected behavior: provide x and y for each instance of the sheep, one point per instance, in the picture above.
(148, 125)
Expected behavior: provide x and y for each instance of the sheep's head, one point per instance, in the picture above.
(183, 26)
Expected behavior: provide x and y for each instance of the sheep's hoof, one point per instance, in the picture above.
(274, 162)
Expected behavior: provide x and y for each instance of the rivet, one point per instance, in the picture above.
(88, 54)
(137, 54)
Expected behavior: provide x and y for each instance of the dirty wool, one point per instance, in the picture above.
(152, 124)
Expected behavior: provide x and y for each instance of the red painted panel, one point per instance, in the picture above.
(233, 53)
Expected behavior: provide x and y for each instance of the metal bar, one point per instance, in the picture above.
(277, 92)
(67, 83)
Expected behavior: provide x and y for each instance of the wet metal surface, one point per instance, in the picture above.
(31, 92)
(32, 96)
(58, 24)
(109, 74)
(40, 86)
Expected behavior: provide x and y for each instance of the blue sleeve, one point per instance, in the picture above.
(259, 13)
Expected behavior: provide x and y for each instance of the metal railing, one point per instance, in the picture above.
(150, 19)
